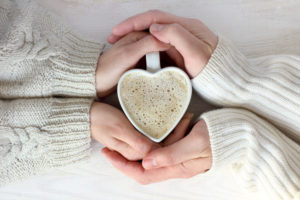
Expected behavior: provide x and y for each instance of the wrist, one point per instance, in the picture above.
(98, 84)
(93, 109)
(204, 134)
(207, 53)
(104, 85)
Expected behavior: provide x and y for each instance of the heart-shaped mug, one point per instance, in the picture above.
(155, 100)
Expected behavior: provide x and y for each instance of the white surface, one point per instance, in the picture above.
(258, 27)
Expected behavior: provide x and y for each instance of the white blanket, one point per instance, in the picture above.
(258, 27)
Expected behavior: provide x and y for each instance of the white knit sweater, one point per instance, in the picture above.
(47, 83)
(259, 134)
(41, 61)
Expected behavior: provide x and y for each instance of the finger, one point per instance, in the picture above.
(141, 22)
(177, 36)
(195, 166)
(135, 51)
(188, 148)
(144, 20)
(113, 38)
(131, 37)
(126, 150)
(130, 143)
(136, 141)
(129, 168)
(190, 47)
(180, 129)
(135, 170)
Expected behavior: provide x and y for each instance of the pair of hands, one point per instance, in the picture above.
(189, 43)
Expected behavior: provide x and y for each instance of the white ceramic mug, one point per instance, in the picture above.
(153, 68)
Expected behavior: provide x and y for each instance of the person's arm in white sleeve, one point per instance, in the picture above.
(40, 56)
(268, 86)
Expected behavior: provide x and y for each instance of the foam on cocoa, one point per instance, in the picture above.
(154, 103)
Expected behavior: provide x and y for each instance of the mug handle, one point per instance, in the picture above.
(153, 62)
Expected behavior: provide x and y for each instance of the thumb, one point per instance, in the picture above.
(177, 36)
(189, 46)
(194, 145)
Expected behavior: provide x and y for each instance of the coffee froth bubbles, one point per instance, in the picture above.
(154, 103)
(155, 100)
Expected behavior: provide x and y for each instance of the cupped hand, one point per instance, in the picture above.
(122, 56)
(185, 158)
(193, 43)
(110, 127)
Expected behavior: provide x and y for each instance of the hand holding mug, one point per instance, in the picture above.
(193, 42)
(179, 157)
(123, 55)
(110, 127)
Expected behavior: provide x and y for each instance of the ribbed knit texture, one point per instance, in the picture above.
(264, 151)
(41, 57)
(268, 86)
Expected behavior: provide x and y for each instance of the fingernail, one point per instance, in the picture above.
(149, 163)
(188, 116)
(156, 27)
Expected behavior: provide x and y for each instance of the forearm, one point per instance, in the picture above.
(42, 57)
(39, 134)
(268, 86)
(263, 158)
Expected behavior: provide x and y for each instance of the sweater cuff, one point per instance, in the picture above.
(227, 138)
(75, 67)
(68, 131)
(221, 78)
(258, 153)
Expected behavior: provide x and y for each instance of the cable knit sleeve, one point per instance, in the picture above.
(41, 57)
(38, 134)
(263, 150)
(261, 156)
